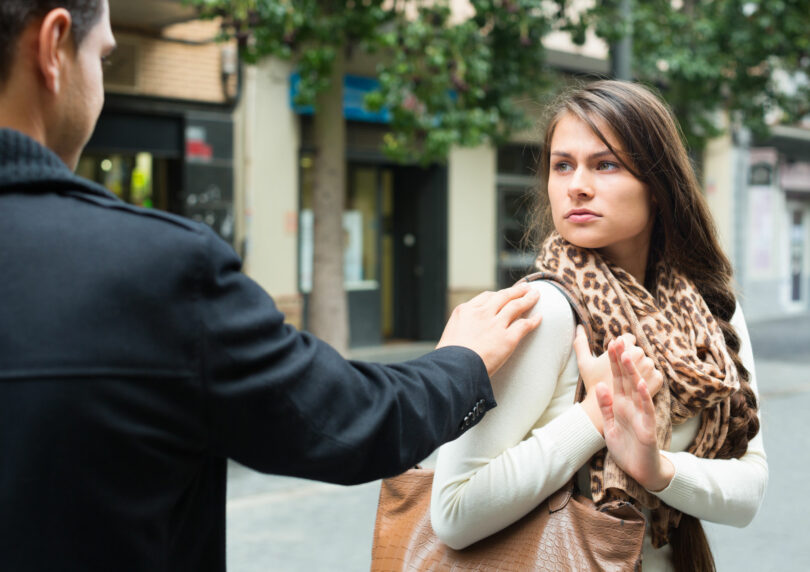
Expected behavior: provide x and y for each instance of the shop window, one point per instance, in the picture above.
(136, 178)
(761, 174)
(361, 238)
(517, 166)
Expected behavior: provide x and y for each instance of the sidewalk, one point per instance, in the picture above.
(784, 339)
(391, 352)
(292, 525)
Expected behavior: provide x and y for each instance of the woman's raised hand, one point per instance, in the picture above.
(594, 369)
(597, 370)
(629, 423)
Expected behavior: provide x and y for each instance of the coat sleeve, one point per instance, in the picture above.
(281, 401)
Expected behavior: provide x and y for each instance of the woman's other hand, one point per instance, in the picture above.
(629, 424)
(594, 369)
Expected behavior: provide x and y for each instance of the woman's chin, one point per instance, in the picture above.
(577, 239)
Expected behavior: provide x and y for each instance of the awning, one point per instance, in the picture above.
(151, 15)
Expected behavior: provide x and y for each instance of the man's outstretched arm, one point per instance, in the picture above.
(284, 402)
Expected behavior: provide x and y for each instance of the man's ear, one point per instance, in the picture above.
(55, 45)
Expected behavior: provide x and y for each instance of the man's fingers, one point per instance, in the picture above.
(480, 299)
(518, 329)
(497, 300)
(516, 307)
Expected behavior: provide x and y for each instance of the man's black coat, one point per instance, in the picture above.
(135, 358)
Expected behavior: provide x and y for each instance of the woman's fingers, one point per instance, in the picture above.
(605, 401)
(628, 339)
(582, 348)
(630, 375)
(645, 402)
(615, 367)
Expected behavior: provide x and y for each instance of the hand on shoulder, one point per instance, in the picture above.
(493, 323)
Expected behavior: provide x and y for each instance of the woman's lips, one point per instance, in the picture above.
(581, 215)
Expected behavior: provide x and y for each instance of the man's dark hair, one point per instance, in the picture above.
(15, 15)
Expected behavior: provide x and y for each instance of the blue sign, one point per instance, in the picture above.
(355, 89)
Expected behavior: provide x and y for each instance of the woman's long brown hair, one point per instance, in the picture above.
(684, 236)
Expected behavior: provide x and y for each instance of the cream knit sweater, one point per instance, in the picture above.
(531, 444)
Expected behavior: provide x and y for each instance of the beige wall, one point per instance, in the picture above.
(719, 186)
(185, 62)
(267, 163)
(472, 219)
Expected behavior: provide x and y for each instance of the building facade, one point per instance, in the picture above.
(165, 137)
(188, 129)
(774, 224)
(418, 240)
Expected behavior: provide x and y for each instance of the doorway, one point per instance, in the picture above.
(418, 232)
(406, 299)
(395, 250)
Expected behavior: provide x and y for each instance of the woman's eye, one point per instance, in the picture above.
(562, 167)
(607, 166)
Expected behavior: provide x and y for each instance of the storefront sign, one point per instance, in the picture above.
(355, 89)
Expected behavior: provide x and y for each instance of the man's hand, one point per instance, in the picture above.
(492, 324)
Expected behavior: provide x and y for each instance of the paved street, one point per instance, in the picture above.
(284, 524)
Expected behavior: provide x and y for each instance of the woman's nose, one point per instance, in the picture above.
(580, 185)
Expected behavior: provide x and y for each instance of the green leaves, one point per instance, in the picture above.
(449, 80)
(446, 80)
(715, 55)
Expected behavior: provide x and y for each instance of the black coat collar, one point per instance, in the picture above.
(25, 164)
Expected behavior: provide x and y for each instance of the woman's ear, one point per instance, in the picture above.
(55, 47)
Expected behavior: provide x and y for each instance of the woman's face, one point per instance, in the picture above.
(595, 202)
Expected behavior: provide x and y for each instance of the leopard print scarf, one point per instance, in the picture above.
(676, 329)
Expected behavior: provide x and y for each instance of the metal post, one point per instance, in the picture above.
(621, 52)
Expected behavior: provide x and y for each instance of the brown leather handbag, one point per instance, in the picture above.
(565, 532)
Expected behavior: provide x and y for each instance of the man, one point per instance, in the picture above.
(136, 358)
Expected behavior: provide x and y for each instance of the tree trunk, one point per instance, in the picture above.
(328, 307)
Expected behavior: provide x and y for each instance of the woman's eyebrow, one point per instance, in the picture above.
(597, 155)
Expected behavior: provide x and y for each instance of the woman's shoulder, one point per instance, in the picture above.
(738, 319)
(552, 303)
(555, 334)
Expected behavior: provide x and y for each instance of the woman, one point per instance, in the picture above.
(634, 243)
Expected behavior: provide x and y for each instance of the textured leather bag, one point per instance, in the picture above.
(565, 532)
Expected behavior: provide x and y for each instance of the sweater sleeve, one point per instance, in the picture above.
(725, 491)
(522, 451)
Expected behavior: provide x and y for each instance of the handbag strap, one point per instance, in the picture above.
(579, 312)
(559, 499)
